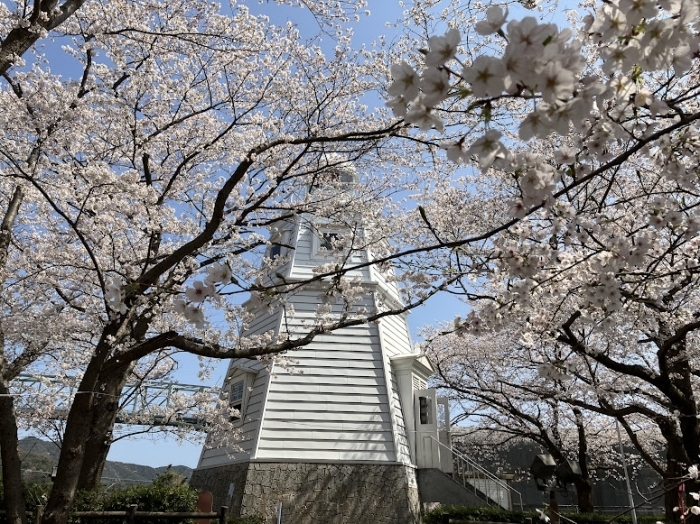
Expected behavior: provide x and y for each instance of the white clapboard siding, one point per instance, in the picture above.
(258, 378)
(396, 338)
(265, 322)
(380, 276)
(403, 452)
(312, 402)
(307, 257)
(336, 426)
(322, 397)
(335, 399)
(347, 435)
(249, 426)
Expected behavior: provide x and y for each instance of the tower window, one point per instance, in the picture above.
(329, 241)
(275, 250)
(279, 241)
(426, 417)
(235, 399)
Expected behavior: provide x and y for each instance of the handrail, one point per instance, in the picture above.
(487, 474)
(137, 398)
(132, 514)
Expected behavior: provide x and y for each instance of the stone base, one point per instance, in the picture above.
(315, 493)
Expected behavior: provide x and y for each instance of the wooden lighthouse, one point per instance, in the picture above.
(336, 434)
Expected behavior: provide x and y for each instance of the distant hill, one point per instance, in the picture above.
(40, 456)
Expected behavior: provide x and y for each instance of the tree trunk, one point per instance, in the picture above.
(76, 435)
(676, 460)
(684, 449)
(584, 495)
(584, 488)
(100, 439)
(13, 484)
(70, 460)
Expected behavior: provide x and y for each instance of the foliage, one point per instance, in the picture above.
(248, 519)
(168, 492)
(443, 514)
(162, 495)
(576, 224)
(148, 151)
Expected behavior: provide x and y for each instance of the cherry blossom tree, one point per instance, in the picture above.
(499, 388)
(139, 188)
(514, 391)
(575, 221)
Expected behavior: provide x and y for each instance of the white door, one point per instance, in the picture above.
(427, 444)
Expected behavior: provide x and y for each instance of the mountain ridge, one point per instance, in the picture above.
(40, 456)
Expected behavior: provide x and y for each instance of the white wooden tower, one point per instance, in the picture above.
(335, 436)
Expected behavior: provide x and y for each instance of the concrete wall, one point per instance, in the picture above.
(313, 493)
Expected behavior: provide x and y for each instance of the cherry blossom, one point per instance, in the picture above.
(495, 18)
(406, 82)
(442, 48)
(487, 148)
(486, 76)
(435, 85)
(149, 153)
(113, 296)
(219, 273)
(587, 149)
(199, 291)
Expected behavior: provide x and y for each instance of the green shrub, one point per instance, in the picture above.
(442, 515)
(248, 519)
(603, 518)
(164, 494)
(168, 492)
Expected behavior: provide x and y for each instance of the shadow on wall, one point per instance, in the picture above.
(315, 493)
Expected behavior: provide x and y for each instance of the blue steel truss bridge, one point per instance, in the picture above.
(143, 403)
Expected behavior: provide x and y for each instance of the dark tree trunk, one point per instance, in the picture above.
(70, 461)
(77, 433)
(13, 484)
(684, 449)
(584, 488)
(100, 439)
(584, 495)
(676, 467)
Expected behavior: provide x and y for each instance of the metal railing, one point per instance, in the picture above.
(483, 483)
(149, 400)
(132, 514)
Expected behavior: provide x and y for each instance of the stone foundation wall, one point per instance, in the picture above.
(219, 480)
(318, 493)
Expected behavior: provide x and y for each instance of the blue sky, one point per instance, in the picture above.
(157, 450)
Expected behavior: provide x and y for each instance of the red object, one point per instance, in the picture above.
(681, 500)
(205, 504)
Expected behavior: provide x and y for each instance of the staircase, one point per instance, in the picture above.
(484, 485)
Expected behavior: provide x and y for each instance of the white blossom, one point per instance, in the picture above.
(435, 85)
(486, 76)
(495, 18)
(199, 291)
(442, 48)
(424, 118)
(406, 81)
(487, 148)
(218, 273)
